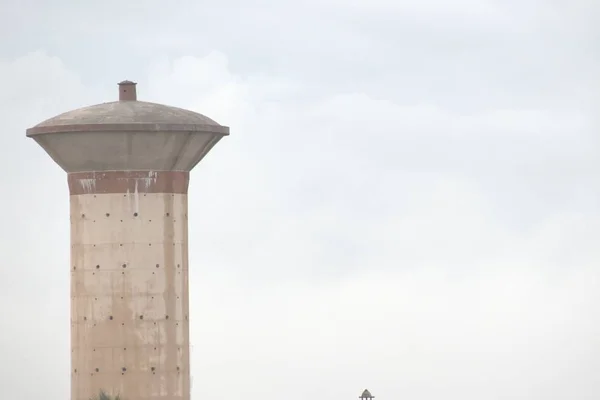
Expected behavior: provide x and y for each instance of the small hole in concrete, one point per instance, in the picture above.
(85, 318)
(152, 368)
(122, 323)
(141, 317)
(120, 244)
(168, 214)
(177, 368)
(75, 369)
(97, 370)
(157, 265)
(121, 220)
(74, 267)
(108, 214)
(111, 317)
(98, 266)
(124, 265)
(178, 266)
(166, 317)
(82, 215)
(135, 214)
(124, 369)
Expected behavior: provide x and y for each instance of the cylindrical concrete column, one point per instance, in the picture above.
(129, 292)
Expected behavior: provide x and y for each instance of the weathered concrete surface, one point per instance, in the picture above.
(129, 293)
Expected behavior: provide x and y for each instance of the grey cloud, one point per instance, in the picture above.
(407, 202)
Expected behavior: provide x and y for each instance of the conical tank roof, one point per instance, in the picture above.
(127, 115)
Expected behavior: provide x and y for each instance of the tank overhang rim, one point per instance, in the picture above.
(130, 127)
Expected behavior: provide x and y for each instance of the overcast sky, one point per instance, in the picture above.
(409, 200)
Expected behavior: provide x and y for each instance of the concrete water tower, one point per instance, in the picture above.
(128, 165)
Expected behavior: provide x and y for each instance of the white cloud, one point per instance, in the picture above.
(39, 84)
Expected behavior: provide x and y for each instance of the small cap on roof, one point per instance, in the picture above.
(127, 91)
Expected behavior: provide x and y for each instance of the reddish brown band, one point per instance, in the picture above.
(128, 182)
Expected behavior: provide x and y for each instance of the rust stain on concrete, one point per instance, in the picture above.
(128, 182)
